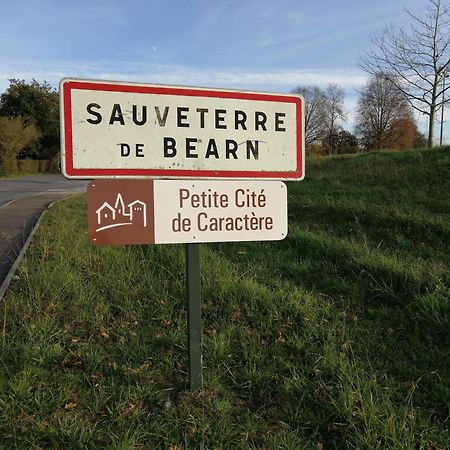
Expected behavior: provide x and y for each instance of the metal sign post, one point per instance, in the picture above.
(193, 306)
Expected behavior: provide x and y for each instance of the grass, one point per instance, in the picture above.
(336, 337)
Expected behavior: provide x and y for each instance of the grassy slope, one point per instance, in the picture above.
(337, 336)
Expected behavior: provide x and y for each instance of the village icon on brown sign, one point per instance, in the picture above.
(120, 212)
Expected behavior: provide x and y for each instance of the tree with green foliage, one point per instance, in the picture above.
(346, 142)
(36, 104)
(14, 137)
(420, 141)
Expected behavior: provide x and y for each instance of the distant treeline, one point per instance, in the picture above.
(384, 119)
(29, 122)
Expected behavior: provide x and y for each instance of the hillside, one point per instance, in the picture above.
(336, 337)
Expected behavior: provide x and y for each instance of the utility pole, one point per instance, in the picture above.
(444, 76)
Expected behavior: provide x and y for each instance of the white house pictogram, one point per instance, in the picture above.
(135, 213)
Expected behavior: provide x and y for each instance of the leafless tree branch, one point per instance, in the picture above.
(416, 59)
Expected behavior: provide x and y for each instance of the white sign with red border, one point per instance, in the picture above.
(125, 130)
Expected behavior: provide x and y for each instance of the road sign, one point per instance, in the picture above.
(123, 130)
(185, 211)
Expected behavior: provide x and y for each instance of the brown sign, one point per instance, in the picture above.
(133, 211)
(120, 212)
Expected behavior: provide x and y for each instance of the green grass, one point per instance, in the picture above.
(336, 337)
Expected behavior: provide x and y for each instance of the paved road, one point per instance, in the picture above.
(22, 200)
(12, 189)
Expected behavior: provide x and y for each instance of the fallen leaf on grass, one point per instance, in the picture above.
(72, 361)
(131, 370)
(168, 324)
(211, 331)
(167, 405)
(280, 339)
(145, 365)
(237, 315)
(95, 380)
(129, 410)
(205, 393)
(104, 334)
(346, 345)
(190, 432)
(43, 425)
(70, 406)
(389, 332)
(50, 309)
(357, 408)
(68, 327)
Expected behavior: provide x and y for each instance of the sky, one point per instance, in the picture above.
(259, 45)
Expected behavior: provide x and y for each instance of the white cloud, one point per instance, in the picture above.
(164, 74)
(276, 81)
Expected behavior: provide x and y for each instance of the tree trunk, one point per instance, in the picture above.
(431, 126)
(432, 113)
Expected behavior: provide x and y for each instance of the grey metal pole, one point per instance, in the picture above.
(442, 107)
(193, 304)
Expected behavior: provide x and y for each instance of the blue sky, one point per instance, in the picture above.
(269, 45)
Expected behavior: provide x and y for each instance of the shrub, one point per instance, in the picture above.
(14, 136)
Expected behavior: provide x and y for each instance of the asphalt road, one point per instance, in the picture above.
(22, 200)
(12, 189)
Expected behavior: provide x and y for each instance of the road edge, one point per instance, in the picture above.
(7, 280)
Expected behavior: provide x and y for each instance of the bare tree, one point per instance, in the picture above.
(416, 59)
(381, 107)
(315, 112)
(334, 111)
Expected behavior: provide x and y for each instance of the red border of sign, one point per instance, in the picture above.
(70, 171)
